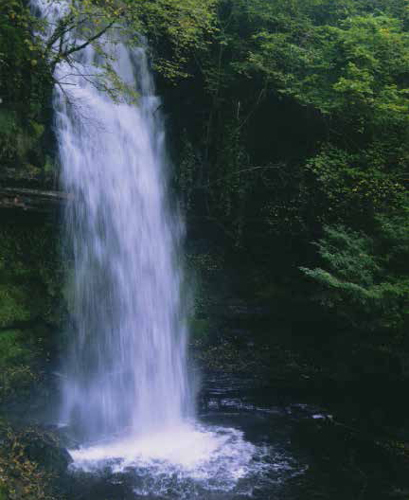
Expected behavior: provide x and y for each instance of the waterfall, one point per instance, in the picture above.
(126, 367)
(126, 395)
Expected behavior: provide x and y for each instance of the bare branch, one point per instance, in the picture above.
(63, 27)
(82, 46)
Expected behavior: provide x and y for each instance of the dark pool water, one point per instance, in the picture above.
(255, 442)
(263, 445)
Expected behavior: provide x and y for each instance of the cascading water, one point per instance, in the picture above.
(126, 393)
(126, 281)
(127, 365)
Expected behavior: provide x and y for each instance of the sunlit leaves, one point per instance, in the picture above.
(185, 24)
(358, 70)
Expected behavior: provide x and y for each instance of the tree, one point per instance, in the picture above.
(104, 24)
(37, 53)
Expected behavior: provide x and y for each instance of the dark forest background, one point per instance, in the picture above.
(288, 134)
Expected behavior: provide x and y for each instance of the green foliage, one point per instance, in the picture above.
(185, 177)
(18, 56)
(342, 67)
(351, 265)
(354, 67)
(30, 300)
(12, 350)
(13, 308)
(355, 185)
(199, 330)
(31, 48)
(17, 356)
(358, 282)
(233, 183)
(294, 127)
(25, 88)
(30, 276)
(183, 24)
(22, 475)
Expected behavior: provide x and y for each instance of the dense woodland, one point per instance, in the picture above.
(288, 126)
(293, 131)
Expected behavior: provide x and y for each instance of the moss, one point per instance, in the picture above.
(199, 329)
(30, 275)
(7, 121)
(17, 356)
(18, 143)
(24, 471)
(12, 349)
(13, 307)
(30, 305)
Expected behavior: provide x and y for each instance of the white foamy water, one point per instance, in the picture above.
(126, 386)
(183, 462)
(192, 449)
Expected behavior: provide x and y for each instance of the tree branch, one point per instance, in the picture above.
(76, 48)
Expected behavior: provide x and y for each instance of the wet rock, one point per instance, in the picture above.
(34, 200)
(32, 462)
(45, 448)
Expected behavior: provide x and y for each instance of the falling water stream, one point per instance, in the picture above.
(127, 366)
(126, 394)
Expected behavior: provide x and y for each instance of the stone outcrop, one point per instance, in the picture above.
(33, 200)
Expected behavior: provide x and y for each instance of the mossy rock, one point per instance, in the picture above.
(20, 142)
(17, 355)
(199, 329)
(30, 301)
(31, 460)
(13, 305)
(45, 449)
(12, 348)
(30, 275)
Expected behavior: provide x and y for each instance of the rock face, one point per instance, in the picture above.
(33, 200)
(31, 461)
(44, 448)
(24, 187)
(31, 288)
